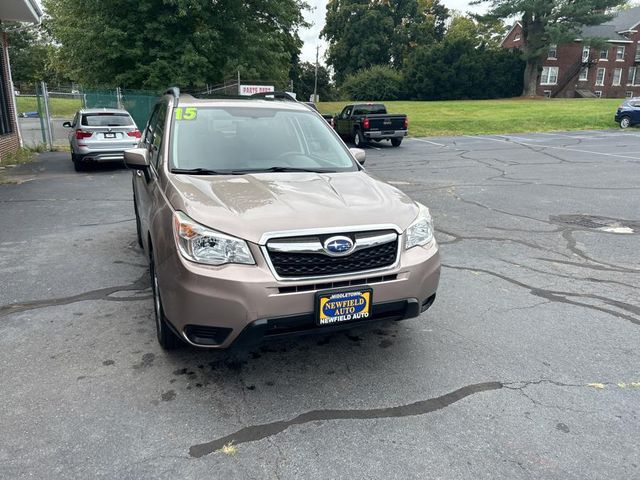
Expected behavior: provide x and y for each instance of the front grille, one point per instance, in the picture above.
(291, 264)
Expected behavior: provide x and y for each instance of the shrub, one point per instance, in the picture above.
(379, 82)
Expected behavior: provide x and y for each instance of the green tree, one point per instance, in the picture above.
(155, 43)
(363, 33)
(32, 54)
(545, 22)
(304, 82)
(380, 82)
(359, 33)
(484, 32)
(416, 23)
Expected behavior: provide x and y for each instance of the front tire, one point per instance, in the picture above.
(396, 142)
(166, 338)
(358, 139)
(625, 122)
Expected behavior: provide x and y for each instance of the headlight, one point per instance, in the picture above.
(203, 245)
(420, 232)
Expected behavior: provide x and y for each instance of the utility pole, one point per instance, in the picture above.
(239, 89)
(315, 83)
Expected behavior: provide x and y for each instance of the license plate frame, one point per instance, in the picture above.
(109, 135)
(343, 295)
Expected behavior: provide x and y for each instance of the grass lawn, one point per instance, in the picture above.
(476, 117)
(60, 107)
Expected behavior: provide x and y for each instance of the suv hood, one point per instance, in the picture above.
(247, 206)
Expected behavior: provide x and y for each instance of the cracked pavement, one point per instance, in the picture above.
(525, 367)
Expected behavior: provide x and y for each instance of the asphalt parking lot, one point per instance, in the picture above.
(31, 131)
(527, 365)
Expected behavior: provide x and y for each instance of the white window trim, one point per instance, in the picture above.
(604, 75)
(605, 59)
(631, 79)
(586, 50)
(623, 52)
(557, 74)
(628, 94)
(598, 93)
(613, 78)
(586, 74)
(555, 49)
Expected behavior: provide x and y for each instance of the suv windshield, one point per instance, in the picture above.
(106, 120)
(245, 139)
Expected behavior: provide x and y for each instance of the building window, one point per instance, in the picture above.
(549, 76)
(600, 76)
(620, 54)
(547, 94)
(604, 54)
(584, 74)
(598, 93)
(516, 38)
(637, 57)
(5, 110)
(553, 52)
(586, 50)
(633, 78)
(617, 77)
(628, 94)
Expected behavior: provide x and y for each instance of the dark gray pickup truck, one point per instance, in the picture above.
(363, 122)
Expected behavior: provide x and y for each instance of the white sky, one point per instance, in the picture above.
(316, 17)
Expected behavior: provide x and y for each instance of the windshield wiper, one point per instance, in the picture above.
(286, 169)
(206, 171)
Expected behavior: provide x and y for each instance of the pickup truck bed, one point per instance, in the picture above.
(361, 123)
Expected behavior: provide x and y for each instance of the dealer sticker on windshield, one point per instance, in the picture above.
(338, 307)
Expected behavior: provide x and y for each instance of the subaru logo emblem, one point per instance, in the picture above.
(338, 245)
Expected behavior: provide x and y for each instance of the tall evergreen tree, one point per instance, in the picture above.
(545, 22)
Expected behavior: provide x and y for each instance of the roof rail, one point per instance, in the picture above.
(286, 96)
(175, 91)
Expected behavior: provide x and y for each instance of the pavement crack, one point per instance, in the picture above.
(141, 283)
(258, 432)
(563, 297)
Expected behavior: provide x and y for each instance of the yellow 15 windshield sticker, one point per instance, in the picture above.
(189, 113)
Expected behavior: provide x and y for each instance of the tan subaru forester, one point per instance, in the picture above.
(259, 222)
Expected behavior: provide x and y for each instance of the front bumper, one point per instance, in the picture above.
(382, 134)
(221, 303)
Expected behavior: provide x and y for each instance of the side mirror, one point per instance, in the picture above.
(359, 155)
(137, 158)
(67, 124)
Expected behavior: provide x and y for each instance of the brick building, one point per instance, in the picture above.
(22, 11)
(576, 70)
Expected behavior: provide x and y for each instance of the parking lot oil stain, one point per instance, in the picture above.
(324, 341)
(106, 363)
(385, 344)
(146, 362)
(562, 427)
(251, 387)
(354, 338)
(269, 383)
(259, 432)
(168, 395)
